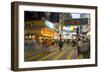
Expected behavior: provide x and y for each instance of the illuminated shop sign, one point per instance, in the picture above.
(46, 32)
(76, 21)
(49, 24)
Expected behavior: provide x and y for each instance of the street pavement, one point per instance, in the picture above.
(66, 53)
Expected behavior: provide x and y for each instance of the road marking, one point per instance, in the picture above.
(48, 56)
(55, 58)
(33, 54)
(62, 53)
(70, 54)
(37, 55)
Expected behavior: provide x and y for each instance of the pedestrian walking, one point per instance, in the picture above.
(60, 44)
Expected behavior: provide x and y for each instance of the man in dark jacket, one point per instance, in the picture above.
(60, 44)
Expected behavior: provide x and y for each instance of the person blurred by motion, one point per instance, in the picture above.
(60, 43)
